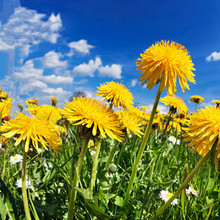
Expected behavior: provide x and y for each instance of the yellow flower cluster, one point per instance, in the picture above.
(204, 130)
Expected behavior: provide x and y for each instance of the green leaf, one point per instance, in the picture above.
(93, 207)
(7, 206)
(119, 201)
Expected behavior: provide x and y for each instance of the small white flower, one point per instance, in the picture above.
(130, 135)
(165, 195)
(19, 184)
(16, 159)
(174, 140)
(50, 165)
(192, 191)
(92, 152)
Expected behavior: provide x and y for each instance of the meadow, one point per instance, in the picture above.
(112, 160)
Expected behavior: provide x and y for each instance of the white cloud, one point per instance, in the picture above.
(134, 82)
(52, 60)
(52, 79)
(81, 46)
(38, 84)
(56, 91)
(87, 69)
(214, 56)
(28, 71)
(163, 109)
(113, 71)
(26, 27)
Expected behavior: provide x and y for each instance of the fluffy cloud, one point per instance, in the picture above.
(38, 84)
(52, 60)
(56, 91)
(52, 79)
(163, 109)
(213, 57)
(28, 71)
(87, 69)
(134, 82)
(81, 46)
(26, 27)
(113, 71)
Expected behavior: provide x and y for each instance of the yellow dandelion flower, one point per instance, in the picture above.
(32, 102)
(163, 62)
(5, 107)
(116, 93)
(3, 95)
(204, 130)
(130, 122)
(156, 124)
(144, 108)
(47, 112)
(174, 127)
(196, 99)
(216, 102)
(31, 131)
(176, 103)
(96, 116)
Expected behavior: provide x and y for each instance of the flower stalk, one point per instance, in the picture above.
(76, 178)
(94, 167)
(112, 152)
(24, 189)
(185, 183)
(142, 147)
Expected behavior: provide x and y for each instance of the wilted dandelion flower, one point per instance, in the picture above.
(95, 116)
(204, 130)
(165, 196)
(192, 191)
(20, 107)
(115, 93)
(176, 103)
(31, 131)
(16, 159)
(164, 61)
(196, 99)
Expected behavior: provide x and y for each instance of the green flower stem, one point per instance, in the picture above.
(24, 190)
(142, 147)
(76, 178)
(112, 152)
(94, 167)
(165, 129)
(185, 183)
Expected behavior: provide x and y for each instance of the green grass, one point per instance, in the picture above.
(162, 167)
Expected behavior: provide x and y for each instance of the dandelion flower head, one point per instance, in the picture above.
(216, 102)
(95, 115)
(116, 93)
(203, 130)
(176, 103)
(31, 131)
(196, 99)
(130, 122)
(164, 61)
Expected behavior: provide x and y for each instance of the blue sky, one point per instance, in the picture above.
(59, 47)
